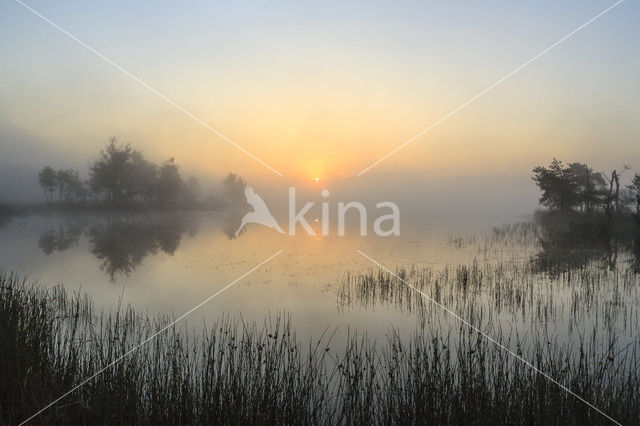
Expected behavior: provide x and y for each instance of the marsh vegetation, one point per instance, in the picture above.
(576, 322)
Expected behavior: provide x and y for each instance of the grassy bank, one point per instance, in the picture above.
(240, 373)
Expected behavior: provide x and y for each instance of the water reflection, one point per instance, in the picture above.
(233, 219)
(527, 269)
(568, 244)
(65, 237)
(120, 242)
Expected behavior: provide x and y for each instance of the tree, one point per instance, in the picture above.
(121, 173)
(590, 185)
(63, 181)
(193, 189)
(67, 182)
(170, 184)
(613, 202)
(110, 174)
(559, 186)
(142, 177)
(75, 189)
(634, 188)
(47, 180)
(234, 188)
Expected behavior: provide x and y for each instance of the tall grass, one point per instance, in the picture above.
(234, 373)
(246, 373)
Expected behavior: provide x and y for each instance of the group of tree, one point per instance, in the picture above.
(62, 185)
(121, 174)
(575, 187)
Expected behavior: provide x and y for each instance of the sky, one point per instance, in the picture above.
(321, 90)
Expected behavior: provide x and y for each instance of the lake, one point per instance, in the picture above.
(525, 319)
(166, 263)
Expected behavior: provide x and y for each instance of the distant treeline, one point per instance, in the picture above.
(575, 187)
(121, 175)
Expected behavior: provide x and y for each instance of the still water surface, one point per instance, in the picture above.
(168, 263)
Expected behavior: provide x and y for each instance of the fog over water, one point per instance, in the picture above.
(505, 133)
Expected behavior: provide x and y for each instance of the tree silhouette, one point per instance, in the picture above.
(170, 184)
(122, 174)
(590, 186)
(111, 173)
(559, 185)
(47, 180)
(142, 177)
(234, 186)
(634, 188)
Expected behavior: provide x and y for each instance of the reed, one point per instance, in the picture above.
(240, 373)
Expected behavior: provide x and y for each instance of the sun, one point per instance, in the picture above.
(316, 180)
